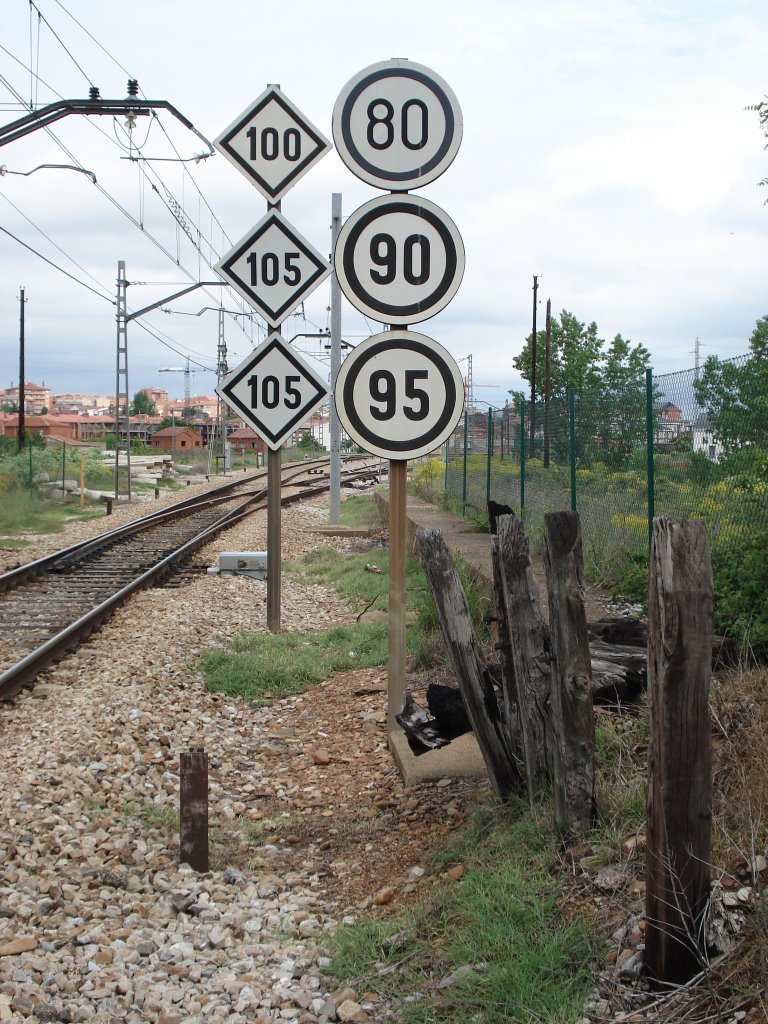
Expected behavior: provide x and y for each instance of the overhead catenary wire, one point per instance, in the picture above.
(55, 265)
(206, 249)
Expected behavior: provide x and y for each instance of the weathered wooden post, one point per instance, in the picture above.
(680, 608)
(471, 671)
(511, 709)
(193, 808)
(529, 638)
(573, 719)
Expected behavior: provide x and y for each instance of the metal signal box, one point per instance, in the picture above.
(243, 563)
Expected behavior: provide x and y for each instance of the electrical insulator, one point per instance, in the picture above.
(133, 87)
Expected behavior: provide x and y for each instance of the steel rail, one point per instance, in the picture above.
(21, 674)
(70, 555)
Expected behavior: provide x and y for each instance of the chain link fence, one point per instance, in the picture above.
(685, 445)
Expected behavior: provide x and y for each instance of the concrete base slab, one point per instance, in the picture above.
(461, 759)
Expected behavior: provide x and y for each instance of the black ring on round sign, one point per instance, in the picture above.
(358, 288)
(412, 443)
(421, 169)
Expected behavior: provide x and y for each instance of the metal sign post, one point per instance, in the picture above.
(398, 259)
(274, 269)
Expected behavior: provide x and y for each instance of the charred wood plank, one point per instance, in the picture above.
(573, 717)
(510, 702)
(529, 637)
(468, 663)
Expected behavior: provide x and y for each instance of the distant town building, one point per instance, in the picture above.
(246, 440)
(36, 397)
(85, 405)
(174, 438)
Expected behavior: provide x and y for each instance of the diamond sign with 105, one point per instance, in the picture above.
(273, 267)
(274, 390)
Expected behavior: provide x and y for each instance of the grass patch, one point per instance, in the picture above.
(263, 667)
(498, 935)
(23, 513)
(360, 510)
(355, 576)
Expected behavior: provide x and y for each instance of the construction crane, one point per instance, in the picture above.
(187, 381)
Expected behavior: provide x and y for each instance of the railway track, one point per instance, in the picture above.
(50, 606)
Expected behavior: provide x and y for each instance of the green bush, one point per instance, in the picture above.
(428, 479)
(740, 573)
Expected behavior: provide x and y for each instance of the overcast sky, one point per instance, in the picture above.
(606, 148)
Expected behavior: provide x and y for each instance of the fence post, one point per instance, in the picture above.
(649, 452)
(193, 808)
(573, 719)
(522, 455)
(572, 443)
(29, 444)
(464, 484)
(677, 863)
(447, 456)
(63, 465)
(488, 461)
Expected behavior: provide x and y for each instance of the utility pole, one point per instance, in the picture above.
(122, 410)
(547, 381)
(221, 372)
(335, 424)
(532, 413)
(22, 300)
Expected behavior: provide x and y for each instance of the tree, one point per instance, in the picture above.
(308, 442)
(142, 405)
(762, 112)
(169, 421)
(735, 396)
(575, 354)
(609, 385)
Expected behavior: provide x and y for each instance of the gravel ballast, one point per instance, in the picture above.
(98, 922)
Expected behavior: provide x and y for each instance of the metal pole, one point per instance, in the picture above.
(22, 371)
(398, 508)
(488, 461)
(649, 452)
(533, 364)
(335, 424)
(464, 483)
(274, 523)
(221, 372)
(522, 455)
(274, 541)
(547, 381)
(121, 381)
(572, 439)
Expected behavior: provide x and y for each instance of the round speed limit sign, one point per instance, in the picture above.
(397, 125)
(399, 395)
(399, 259)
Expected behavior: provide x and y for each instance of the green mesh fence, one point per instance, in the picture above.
(692, 444)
